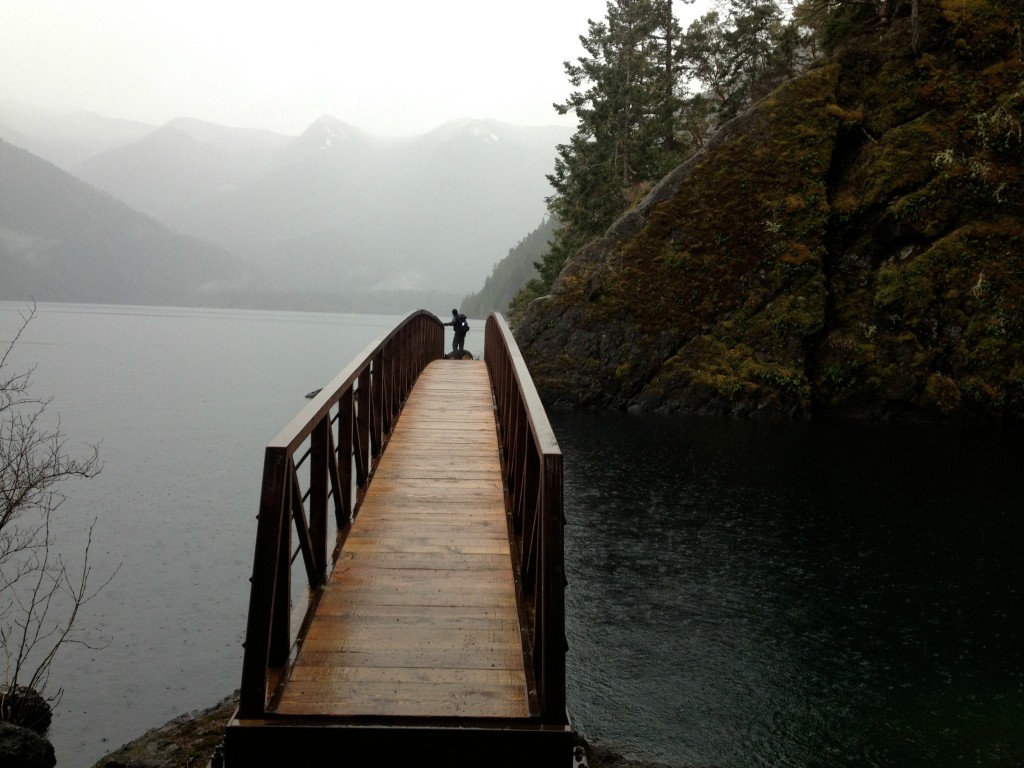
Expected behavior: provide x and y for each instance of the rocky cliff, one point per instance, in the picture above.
(852, 245)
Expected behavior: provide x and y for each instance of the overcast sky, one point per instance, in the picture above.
(391, 67)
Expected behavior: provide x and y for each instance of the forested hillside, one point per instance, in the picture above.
(852, 244)
(511, 273)
(62, 240)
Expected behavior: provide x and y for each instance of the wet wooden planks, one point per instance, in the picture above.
(420, 617)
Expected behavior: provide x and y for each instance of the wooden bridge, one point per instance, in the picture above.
(407, 589)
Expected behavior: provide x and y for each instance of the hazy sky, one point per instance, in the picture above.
(391, 67)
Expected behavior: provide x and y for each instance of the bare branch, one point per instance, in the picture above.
(40, 596)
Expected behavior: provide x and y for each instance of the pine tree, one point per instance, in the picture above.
(757, 31)
(627, 105)
(636, 120)
(740, 57)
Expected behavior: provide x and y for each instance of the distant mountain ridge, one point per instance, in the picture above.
(333, 211)
(62, 240)
(433, 211)
(160, 171)
(335, 208)
(65, 138)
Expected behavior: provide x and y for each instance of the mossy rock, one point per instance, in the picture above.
(27, 708)
(851, 245)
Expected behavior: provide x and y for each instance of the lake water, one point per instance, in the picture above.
(752, 594)
(741, 593)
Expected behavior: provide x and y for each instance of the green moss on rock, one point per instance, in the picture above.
(852, 245)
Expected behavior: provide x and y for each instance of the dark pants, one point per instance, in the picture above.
(458, 341)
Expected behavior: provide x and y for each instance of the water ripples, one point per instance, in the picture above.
(786, 595)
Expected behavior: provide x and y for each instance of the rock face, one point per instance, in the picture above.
(26, 707)
(852, 245)
(187, 740)
(24, 748)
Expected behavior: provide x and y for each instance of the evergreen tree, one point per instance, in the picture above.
(756, 29)
(822, 25)
(627, 105)
(740, 57)
(636, 120)
(707, 58)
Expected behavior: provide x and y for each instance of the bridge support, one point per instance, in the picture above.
(253, 743)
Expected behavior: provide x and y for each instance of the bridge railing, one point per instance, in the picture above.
(321, 463)
(533, 466)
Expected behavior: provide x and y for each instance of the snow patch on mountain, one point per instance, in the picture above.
(484, 135)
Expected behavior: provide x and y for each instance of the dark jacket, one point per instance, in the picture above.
(459, 324)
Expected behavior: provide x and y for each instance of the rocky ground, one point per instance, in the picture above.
(188, 741)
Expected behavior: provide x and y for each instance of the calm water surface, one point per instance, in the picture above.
(748, 594)
(740, 594)
(182, 403)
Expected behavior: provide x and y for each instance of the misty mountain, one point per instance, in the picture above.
(243, 140)
(309, 187)
(183, 162)
(62, 240)
(336, 208)
(65, 138)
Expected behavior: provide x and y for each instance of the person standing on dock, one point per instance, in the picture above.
(460, 326)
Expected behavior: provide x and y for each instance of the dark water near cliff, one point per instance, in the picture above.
(741, 594)
(748, 594)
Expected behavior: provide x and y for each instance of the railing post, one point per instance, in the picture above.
(530, 515)
(263, 592)
(319, 456)
(377, 404)
(387, 376)
(520, 429)
(413, 360)
(363, 453)
(280, 620)
(552, 605)
(344, 450)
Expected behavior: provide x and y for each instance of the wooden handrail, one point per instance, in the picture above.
(333, 446)
(532, 463)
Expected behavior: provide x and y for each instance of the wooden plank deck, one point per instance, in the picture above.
(419, 617)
